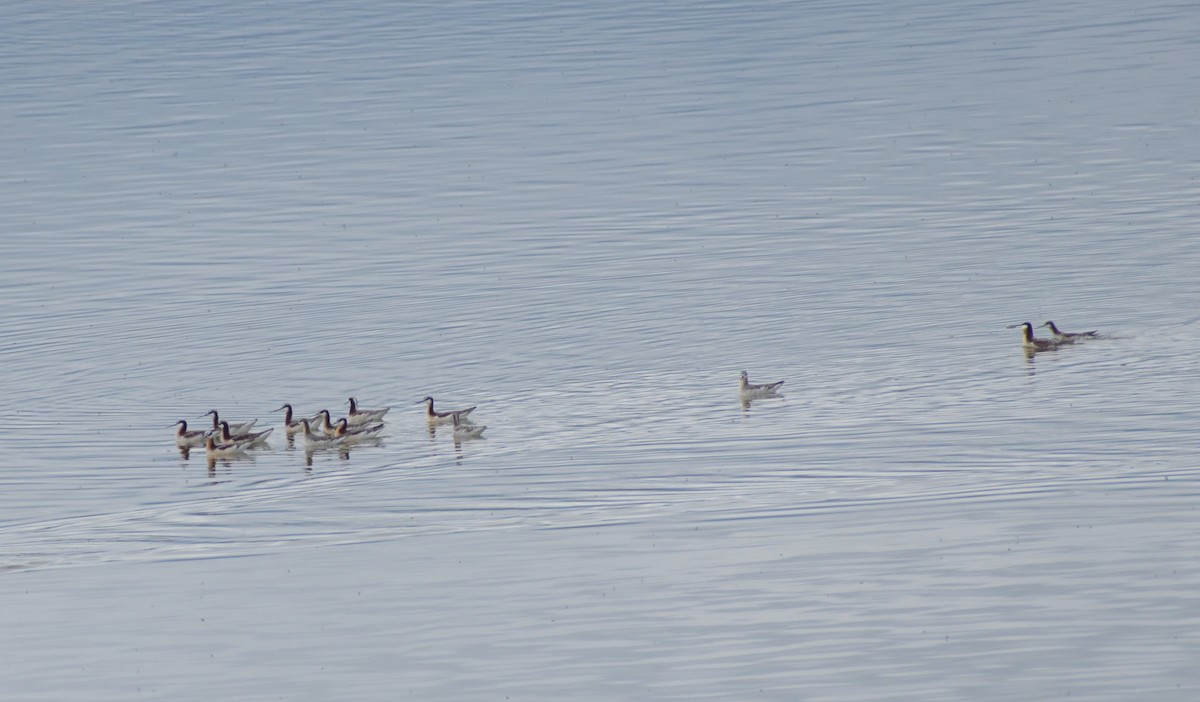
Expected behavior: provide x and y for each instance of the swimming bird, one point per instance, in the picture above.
(354, 433)
(290, 423)
(213, 449)
(466, 431)
(324, 424)
(1032, 343)
(359, 416)
(185, 438)
(1068, 337)
(749, 389)
(446, 417)
(248, 438)
(234, 427)
(318, 440)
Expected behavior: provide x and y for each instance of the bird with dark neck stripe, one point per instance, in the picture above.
(290, 422)
(445, 417)
(213, 448)
(1032, 343)
(354, 433)
(235, 427)
(248, 438)
(359, 416)
(187, 438)
(317, 440)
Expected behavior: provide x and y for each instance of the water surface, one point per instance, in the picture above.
(586, 220)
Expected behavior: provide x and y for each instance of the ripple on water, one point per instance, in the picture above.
(588, 234)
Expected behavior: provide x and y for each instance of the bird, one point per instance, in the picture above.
(1032, 343)
(347, 432)
(316, 440)
(1067, 337)
(466, 431)
(213, 449)
(249, 438)
(234, 427)
(185, 438)
(446, 417)
(358, 416)
(290, 423)
(749, 389)
(324, 422)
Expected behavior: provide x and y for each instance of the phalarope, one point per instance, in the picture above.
(234, 427)
(749, 389)
(359, 416)
(249, 438)
(290, 422)
(324, 423)
(466, 431)
(446, 417)
(317, 440)
(1032, 343)
(354, 433)
(185, 438)
(1068, 337)
(214, 449)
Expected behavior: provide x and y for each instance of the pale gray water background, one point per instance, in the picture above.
(586, 219)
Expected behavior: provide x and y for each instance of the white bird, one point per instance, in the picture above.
(446, 417)
(749, 389)
(1068, 337)
(466, 431)
(359, 416)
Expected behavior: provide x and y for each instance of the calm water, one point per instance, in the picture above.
(587, 218)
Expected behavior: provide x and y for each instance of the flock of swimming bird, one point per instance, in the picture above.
(225, 439)
(1058, 337)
